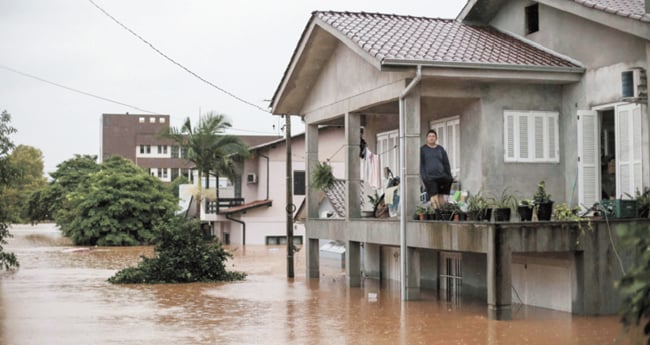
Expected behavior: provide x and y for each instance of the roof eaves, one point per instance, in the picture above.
(277, 141)
(474, 65)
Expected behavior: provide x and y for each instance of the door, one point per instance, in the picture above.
(628, 150)
(588, 158)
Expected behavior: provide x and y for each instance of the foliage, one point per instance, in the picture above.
(562, 212)
(118, 205)
(209, 148)
(635, 284)
(48, 202)
(182, 257)
(27, 163)
(7, 171)
(541, 197)
(476, 202)
(505, 200)
(322, 176)
(420, 210)
(643, 202)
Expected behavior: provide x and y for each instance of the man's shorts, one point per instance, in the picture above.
(438, 186)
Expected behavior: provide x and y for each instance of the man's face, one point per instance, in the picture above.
(431, 139)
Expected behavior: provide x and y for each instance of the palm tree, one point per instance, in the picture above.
(209, 148)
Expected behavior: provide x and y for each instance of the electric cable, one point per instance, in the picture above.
(175, 62)
(75, 90)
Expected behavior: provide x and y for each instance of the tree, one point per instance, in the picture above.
(7, 172)
(181, 257)
(635, 284)
(209, 148)
(117, 205)
(44, 204)
(28, 163)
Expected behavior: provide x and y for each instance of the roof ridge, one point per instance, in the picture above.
(374, 14)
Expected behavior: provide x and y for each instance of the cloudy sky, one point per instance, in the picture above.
(239, 46)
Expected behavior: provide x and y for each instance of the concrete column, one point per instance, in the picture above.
(413, 141)
(353, 263)
(352, 165)
(413, 276)
(499, 275)
(313, 258)
(311, 139)
(372, 260)
(312, 251)
(645, 126)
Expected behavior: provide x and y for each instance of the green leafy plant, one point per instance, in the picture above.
(322, 177)
(562, 212)
(420, 210)
(476, 202)
(505, 200)
(541, 197)
(643, 202)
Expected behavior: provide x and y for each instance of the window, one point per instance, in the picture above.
(164, 172)
(162, 120)
(299, 182)
(448, 130)
(152, 120)
(147, 148)
(278, 240)
(141, 148)
(175, 151)
(388, 150)
(141, 119)
(532, 18)
(162, 149)
(531, 136)
(183, 152)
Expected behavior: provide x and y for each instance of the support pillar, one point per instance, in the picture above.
(413, 276)
(313, 258)
(353, 263)
(499, 275)
(352, 165)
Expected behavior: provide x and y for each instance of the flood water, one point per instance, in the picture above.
(60, 296)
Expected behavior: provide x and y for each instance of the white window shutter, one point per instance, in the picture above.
(588, 158)
(509, 136)
(628, 149)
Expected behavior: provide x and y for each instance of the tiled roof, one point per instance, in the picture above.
(246, 206)
(634, 9)
(433, 40)
(336, 196)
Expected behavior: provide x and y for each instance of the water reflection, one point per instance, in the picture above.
(60, 296)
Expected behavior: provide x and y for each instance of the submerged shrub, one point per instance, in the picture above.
(182, 256)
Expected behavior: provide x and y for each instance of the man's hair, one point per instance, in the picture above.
(432, 131)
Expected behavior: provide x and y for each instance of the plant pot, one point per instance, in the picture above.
(502, 214)
(473, 215)
(485, 215)
(545, 210)
(462, 216)
(525, 213)
(446, 216)
(422, 216)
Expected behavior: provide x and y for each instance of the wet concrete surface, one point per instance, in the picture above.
(60, 296)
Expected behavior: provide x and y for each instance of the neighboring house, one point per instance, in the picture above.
(519, 92)
(136, 138)
(257, 214)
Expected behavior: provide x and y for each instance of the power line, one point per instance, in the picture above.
(75, 90)
(174, 62)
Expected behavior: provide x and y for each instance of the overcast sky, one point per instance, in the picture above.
(240, 46)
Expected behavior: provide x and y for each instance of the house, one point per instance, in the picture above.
(519, 92)
(257, 212)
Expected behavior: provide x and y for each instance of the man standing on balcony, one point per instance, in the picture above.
(435, 170)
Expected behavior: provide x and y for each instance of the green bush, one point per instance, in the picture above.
(182, 256)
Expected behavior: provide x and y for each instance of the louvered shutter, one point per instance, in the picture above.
(588, 158)
(628, 150)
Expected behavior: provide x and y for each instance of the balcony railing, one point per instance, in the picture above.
(212, 207)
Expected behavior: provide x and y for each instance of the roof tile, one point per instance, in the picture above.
(389, 36)
(634, 9)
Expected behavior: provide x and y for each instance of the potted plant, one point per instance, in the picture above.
(447, 211)
(477, 207)
(525, 210)
(503, 206)
(543, 202)
(421, 212)
(562, 212)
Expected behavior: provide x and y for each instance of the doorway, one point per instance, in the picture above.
(607, 154)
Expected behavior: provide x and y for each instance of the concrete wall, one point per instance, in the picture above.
(544, 281)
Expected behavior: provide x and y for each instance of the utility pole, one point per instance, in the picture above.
(290, 205)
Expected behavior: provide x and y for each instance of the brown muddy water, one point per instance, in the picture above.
(60, 296)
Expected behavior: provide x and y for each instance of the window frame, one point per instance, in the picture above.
(514, 129)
